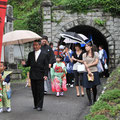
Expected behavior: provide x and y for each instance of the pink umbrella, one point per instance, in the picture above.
(19, 37)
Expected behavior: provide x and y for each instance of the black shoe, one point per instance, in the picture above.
(39, 109)
(82, 95)
(90, 103)
(78, 95)
(94, 101)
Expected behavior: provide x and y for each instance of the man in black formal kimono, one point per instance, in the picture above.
(51, 60)
(38, 62)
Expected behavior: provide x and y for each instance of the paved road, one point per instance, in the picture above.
(68, 107)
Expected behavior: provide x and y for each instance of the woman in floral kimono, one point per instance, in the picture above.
(58, 77)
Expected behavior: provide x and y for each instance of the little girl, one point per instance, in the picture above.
(28, 81)
(58, 77)
(5, 91)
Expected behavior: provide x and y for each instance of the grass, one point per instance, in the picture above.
(108, 106)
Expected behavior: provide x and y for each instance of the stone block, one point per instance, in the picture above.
(111, 47)
(111, 27)
(46, 8)
(116, 29)
(117, 51)
(99, 14)
(110, 41)
(46, 22)
(89, 14)
(88, 22)
(44, 12)
(111, 18)
(75, 23)
(63, 29)
(117, 56)
(117, 42)
(107, 34)
(107, 27)
(47, 17)
(111, 51)
(53, 37)
(109, 23)
(103, 31)
(47, 30)
(89, 18)
(117, 20)
(117, 24)
(116, 61)
(100, 28)
(48, 12)
(47, 26)
(117, 47)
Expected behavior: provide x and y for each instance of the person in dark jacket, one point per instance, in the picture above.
(51, 60)
(48, 50)
(38, 62)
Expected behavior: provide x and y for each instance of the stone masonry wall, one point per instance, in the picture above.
(61, 21)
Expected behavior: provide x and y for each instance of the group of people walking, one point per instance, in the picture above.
(61, 69)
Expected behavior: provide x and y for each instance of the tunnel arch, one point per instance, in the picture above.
(99, 34)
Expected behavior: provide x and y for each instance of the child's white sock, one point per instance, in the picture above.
(8, 109)
(58, 94)
(1, 110)
(1, 95)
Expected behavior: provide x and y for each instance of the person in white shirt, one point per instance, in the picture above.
(103, 58)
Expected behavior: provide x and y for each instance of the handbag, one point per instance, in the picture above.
(9, 94)
(90, 77)
(106, 66)
(8, 90)
(81, 68)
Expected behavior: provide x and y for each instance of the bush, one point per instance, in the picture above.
(34, 22)
(97, 117)
(27, 14)
(108, 105)
(24, 71)
(110, 95)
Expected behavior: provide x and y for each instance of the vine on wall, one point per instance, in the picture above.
(110, 6)
(99, 22)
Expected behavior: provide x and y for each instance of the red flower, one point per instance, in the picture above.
(0, 100)
(0, 88)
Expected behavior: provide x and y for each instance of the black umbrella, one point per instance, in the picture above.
(73, 37)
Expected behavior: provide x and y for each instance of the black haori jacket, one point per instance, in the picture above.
(39, 68)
